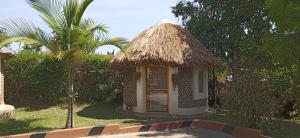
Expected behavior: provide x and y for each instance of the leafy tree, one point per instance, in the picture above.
(71, 39)
(283, 43)
(284, 39)
(252, 101)
(231, 29)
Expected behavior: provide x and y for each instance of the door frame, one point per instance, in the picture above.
(146, 87)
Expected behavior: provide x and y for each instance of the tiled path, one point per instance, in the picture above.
(178, 133)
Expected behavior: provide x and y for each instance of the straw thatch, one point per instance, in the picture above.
(165, 44)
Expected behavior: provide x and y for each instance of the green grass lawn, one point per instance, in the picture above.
(55, 117)
(101, 114)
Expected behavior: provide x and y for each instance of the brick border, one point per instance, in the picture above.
(115, 129)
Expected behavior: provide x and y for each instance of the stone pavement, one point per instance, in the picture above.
(177, 133)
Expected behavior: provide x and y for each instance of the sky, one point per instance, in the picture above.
(125, 18)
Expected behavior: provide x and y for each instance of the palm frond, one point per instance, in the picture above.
(80, 37)
(91, 25)
(51, 12)
(24, 40)
(70, 10)
(20, 28)
(117, 42)
(83, 6)
(52, 8)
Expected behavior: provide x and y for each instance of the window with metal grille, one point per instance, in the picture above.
(201, 88)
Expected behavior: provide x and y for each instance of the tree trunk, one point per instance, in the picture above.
(70, 120)
(71, 94)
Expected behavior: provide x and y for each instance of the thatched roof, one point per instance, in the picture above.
(6, 53)
(165, 44)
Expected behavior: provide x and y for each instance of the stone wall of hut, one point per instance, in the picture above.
(129, 91)
(186, 90)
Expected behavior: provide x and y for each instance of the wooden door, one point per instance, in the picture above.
(157, 89)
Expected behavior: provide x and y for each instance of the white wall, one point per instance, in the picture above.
(197, 94)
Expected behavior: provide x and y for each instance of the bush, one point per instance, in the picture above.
(252, 101)
(284, 82)
(96, 82)
(36, 80)
(33, 80)
(289, 105)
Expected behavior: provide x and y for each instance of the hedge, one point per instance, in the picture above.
(37, 80)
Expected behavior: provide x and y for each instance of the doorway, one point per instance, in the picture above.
(157, 89)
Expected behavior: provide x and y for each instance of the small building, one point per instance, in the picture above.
(165, 70)
(6, 111)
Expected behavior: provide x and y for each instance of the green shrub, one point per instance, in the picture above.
(284, 82)
(32, 80)
(97, 82)
(251, 100)
(36, 80)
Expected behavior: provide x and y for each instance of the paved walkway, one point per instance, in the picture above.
(178, 133)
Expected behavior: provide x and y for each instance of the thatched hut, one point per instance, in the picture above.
(165, 70)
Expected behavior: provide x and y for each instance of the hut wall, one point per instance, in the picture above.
(196, 89)
(130, 87)
(1, 84)
(186, 96)
(141, 88)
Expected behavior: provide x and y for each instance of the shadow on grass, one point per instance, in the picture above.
(108, 112)
(145, 121)
(101, 111)
(12, 126)
(31, 106)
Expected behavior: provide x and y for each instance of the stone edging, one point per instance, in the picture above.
(115, 129)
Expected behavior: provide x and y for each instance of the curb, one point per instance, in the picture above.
(115, 129)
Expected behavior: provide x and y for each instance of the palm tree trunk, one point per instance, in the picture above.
(70, 120)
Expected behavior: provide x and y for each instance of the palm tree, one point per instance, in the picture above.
(72, 37)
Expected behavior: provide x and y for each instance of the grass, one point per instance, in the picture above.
(289, 129)
(100, 114)
(55, 117)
